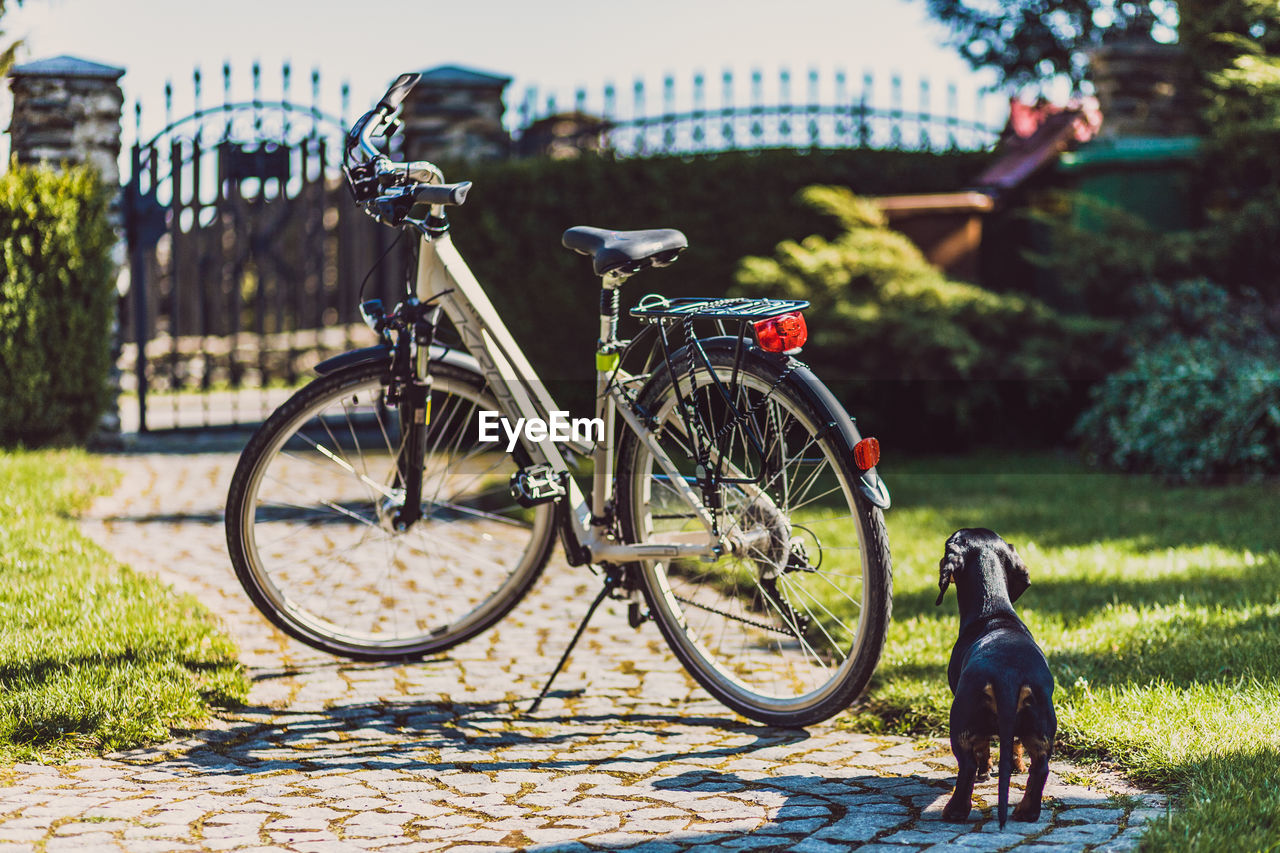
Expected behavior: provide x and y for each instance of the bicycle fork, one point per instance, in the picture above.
(413, 395)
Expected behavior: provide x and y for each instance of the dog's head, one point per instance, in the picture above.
(963, 542)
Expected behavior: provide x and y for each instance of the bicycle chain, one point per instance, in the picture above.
(786, 632)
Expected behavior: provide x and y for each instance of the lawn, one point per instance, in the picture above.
(93, 656)
(1158, 608)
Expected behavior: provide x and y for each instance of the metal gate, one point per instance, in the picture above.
(245, 259)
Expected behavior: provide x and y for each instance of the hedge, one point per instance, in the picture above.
(56, 299)
(730, 206)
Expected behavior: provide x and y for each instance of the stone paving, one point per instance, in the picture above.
(626, 754)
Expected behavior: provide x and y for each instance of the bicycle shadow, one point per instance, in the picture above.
(411, 736)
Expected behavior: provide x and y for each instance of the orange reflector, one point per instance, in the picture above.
(785, 333)
(866, 453)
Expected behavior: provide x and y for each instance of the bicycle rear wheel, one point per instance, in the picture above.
(788, 628)
(310, 520)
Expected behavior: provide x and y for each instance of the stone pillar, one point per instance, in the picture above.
(454, 115)
(1144, 89)
(67, 110)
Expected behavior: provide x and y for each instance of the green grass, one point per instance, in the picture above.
(93, 656)
(1158, 608)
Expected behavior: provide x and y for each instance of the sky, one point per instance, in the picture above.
(553, 45)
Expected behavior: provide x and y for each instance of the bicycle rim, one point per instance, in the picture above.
(787, 629)
(311, 521)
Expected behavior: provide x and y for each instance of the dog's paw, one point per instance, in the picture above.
(1026, 813)
(957, 811)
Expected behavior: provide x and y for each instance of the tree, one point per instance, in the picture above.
(7, 54)
(1030, 41)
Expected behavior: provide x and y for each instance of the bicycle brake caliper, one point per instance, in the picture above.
(538, 484)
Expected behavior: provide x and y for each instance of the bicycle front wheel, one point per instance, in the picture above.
(311, 531)
(787, 626)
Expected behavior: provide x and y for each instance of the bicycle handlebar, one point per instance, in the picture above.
(393, 191)
(454, 194)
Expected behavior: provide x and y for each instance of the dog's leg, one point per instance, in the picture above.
(963, 745)
(982, 754)
(1024, 699)
(1039, 750)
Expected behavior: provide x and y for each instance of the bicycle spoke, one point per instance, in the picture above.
(320, 546)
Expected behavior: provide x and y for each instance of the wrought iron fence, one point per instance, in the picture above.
(246, 255)
(832, 114)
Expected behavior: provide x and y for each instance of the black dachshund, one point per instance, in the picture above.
(998, 674)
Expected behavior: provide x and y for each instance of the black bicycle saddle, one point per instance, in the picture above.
(629, 251)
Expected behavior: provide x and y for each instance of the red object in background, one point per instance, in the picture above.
(866, 454)
(1081, 115)
(785, 333)
(1034, 137)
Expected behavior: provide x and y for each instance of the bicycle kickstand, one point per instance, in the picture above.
(612, 580)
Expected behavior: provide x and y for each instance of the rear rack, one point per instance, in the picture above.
(654, 308)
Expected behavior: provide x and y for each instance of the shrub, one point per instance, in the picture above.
(56, 299)
(933, 362)
(1201, 396)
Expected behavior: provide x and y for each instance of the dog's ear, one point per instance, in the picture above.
(1016, 576)
(952, 562)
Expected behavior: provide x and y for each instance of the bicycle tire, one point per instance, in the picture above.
(309, 528)
(790, 657)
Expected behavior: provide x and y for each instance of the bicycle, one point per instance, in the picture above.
(731, 498)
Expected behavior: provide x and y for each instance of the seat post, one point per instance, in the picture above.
(607, 361)
(610, 293)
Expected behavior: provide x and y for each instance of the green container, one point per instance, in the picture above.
(1151, 177)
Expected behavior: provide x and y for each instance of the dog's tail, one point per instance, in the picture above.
(1007, 707)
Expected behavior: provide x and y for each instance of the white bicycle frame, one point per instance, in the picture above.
(443, 276)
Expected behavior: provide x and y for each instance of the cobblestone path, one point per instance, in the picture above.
(626, 754)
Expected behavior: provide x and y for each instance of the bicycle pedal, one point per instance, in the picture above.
(537, 484)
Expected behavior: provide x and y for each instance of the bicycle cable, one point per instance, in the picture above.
(376, 264)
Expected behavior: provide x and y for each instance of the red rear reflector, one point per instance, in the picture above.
(785, 333)
(866, 453)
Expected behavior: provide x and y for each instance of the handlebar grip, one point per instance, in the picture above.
(399, 89)
(454, 194)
